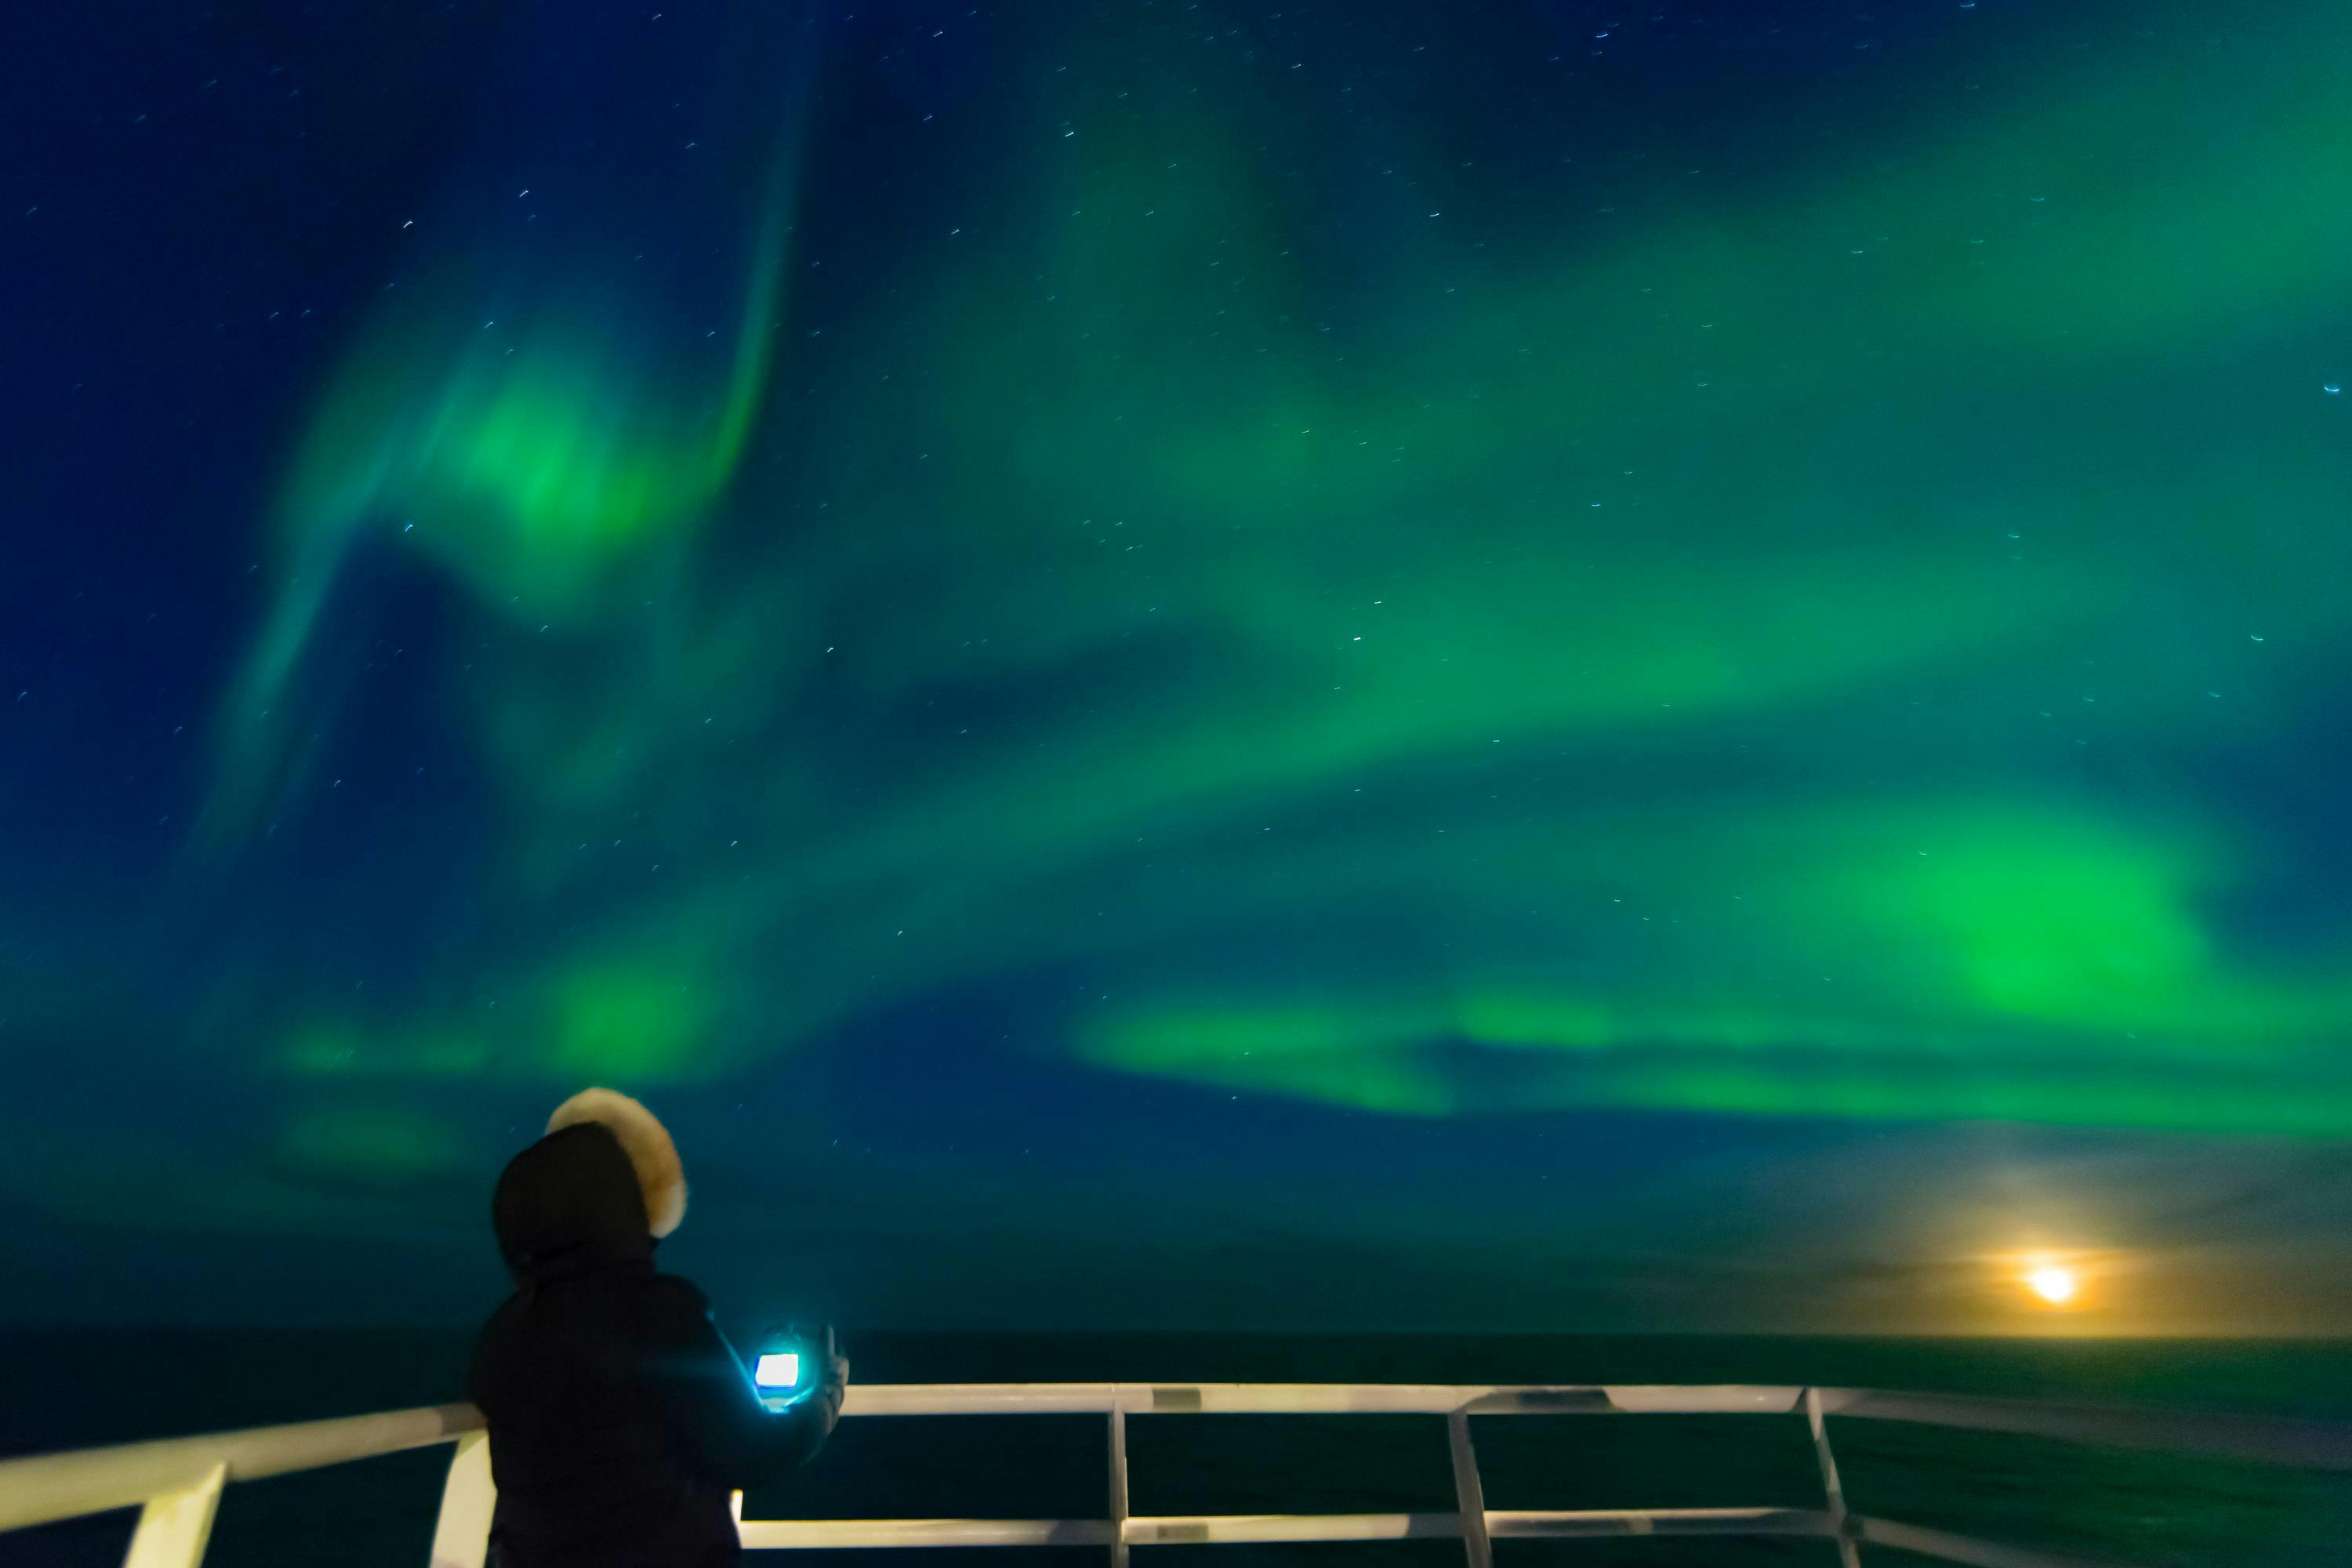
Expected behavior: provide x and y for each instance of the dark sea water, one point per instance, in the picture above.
(78, 1387)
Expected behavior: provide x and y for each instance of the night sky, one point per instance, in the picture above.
(1528, 665)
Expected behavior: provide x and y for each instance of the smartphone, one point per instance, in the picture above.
(790, 1369)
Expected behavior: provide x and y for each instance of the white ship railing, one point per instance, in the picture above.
(176, 1483)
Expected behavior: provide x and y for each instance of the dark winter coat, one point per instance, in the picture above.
(619, 1418)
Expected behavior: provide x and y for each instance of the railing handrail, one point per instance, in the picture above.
(2299, 1441)
(42, 1488)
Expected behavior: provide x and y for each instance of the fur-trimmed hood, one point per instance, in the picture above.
(597, 1192)
(661, 1179)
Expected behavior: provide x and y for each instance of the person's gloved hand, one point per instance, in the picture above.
(833, 1384)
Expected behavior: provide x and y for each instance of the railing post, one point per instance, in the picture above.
(1469, 1497)
(461, 1536)
(174, 1527)
(1847, 1555)
(1117, 1488)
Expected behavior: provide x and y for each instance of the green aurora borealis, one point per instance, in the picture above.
(1640, 593)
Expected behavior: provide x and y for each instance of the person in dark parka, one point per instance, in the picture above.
(619, 1418)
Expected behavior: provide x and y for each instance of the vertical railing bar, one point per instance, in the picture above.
(1469, 1496)
(1117, 1488)
(1848, 1556)
(461, 1532)
(175, 1527)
